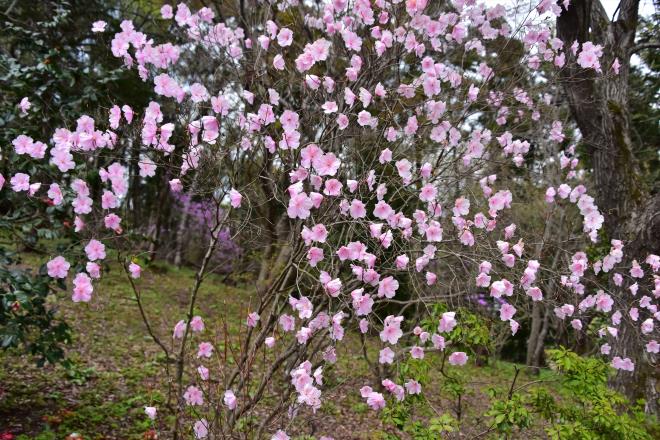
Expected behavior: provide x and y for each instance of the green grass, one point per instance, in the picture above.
(117, 370)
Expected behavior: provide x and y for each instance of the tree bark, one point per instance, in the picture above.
(183, 222)
(599, 105)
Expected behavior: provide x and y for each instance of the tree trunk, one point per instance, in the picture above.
(183, 221)
(533, 340)
(599, 105)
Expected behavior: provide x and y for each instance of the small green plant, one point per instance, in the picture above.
(590, 410)
(27, 317)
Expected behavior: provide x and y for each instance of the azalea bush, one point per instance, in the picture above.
(404, 172)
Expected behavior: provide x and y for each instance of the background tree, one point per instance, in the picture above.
(601, 107)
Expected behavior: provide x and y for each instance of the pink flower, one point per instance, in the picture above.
(176, 185)
(280, 435)
(299, 206)
(205, 349)
(95, 250)
(413, 387)
(24, 105)
(342, 121)
(386, 356)
(392, 329)
(252, 319)
(288, 323)
(383, 211)
(438, 341)
(198, 93)
(99, 26)
(135, 270)
(447, 322)
(314, 255)
(329, 107)
(285, 37)
(166, 12)
(201, 428)
(278, 62)
(417, 352)
(20, 182)
(604, 302)
(507, 311)
(197, 324)
(376, 401)
(623, 364)
(230, 399)
(193, 396)
(82, 288)
(647, 326)
(112, 221)
(605, 349)
(428, 193)
(235, 198)
(93, 269)
(458, 358)
(150, 411)
(128, 113)
(179, 329)
(203, 372)
(387, 287)
(361, 303)
(58, 267)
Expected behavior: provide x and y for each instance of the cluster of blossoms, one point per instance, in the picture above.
(359, 239)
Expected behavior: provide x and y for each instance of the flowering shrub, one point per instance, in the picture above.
(382, 154)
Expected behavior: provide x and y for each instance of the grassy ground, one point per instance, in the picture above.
(117, 370)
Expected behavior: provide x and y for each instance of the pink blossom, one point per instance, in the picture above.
(387, 287)
(197, 324)
(604, 302)
(201, 429)
(82, 288)
(392, 329)
(458, 358)
(235, 198)
(280, 435)
(24, 105)
(230, 400)
(99, 26)
(299, 206)
(205, 349)
(135, 270)
(507, 311)
(623, 364)
(95, 250)
(179, 329)
(20, 182)
(417, 352)
(376, 401)
(193, 396)
(58, 267)
(447, 322)
(285, 37)
(93, 269)
(278, 62)
(386, 356)
(253, 319)
(413, 387)
(150, 411)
